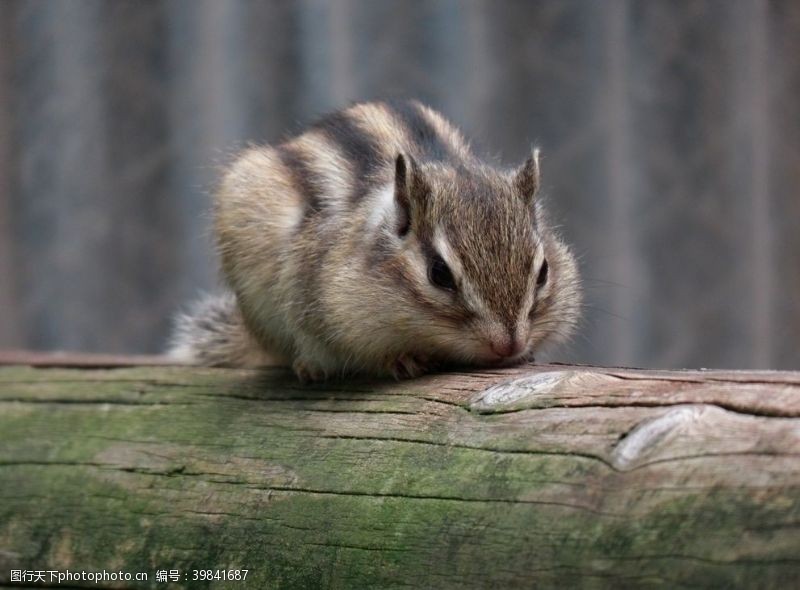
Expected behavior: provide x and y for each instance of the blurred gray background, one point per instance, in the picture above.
(670, 131)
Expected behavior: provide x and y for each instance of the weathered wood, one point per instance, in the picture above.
(527, 477)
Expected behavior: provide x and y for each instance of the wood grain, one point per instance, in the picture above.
(545, 476)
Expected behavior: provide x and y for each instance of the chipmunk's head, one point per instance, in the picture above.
(490, 279)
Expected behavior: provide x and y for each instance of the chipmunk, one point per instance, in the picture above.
(376, 243)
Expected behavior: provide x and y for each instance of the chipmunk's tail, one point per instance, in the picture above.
(213, 334)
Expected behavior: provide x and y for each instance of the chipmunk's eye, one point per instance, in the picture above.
(440, 275)
(542, 278)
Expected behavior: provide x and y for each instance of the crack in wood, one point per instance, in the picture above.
(690, 476)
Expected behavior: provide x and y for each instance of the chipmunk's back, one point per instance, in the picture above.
(347, 154)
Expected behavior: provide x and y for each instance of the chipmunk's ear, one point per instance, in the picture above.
(527, 177)
(410, 192)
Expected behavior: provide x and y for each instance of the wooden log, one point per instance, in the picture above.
(546, 476)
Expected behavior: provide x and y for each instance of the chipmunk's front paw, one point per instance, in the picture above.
(408, 366)
(308, 372)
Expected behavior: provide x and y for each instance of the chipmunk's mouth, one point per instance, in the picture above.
(495, 360)
(510, 361)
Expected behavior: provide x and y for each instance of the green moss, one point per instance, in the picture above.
(147, 469)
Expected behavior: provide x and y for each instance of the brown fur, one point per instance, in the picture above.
(312, 241)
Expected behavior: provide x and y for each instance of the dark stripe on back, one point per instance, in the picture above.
(307, 181)
(358, 147)
(422, 133)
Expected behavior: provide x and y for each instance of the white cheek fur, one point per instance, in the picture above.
(383, 208)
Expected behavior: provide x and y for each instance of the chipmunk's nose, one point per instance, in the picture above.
(506, 347)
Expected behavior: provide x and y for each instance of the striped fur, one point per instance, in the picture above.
(328, 251)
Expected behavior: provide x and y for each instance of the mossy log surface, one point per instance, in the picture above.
(546, 476)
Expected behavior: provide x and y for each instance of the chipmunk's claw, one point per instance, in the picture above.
(407, 367)
(308, 373)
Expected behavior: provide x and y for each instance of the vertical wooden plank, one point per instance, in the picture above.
(141, 259)
(10, 333)
(271, 63)
(750, 90)
(784, 181)
(208, 117)
(696, 223)
(62, 229)
(757, 82)
(95, 219)
(324, 57)
(395, 49)
(450, 24)
(342, 32)
(629, 331)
